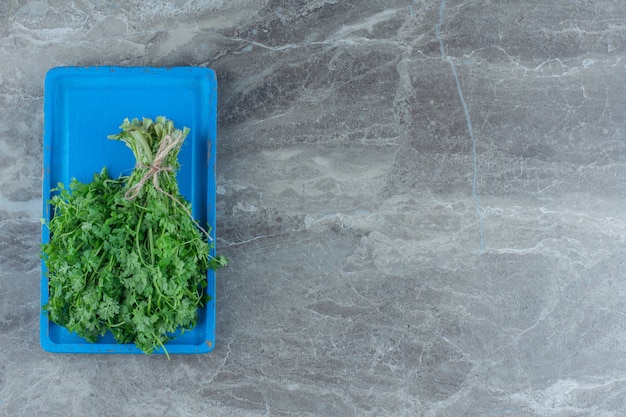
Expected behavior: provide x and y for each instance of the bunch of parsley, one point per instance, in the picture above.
(124, 254)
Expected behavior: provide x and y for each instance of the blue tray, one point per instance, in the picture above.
(82, 106)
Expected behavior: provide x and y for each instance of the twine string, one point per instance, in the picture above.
(167, 144)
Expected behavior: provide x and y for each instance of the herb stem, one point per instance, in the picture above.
(137, 233)
(151, 245)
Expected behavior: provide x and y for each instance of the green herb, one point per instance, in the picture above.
(124, 254)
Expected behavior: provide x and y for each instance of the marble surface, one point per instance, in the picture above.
(423, 204)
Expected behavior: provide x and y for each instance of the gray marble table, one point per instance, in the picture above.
(423, 203)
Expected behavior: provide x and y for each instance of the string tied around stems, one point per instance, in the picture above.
(168, 143)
